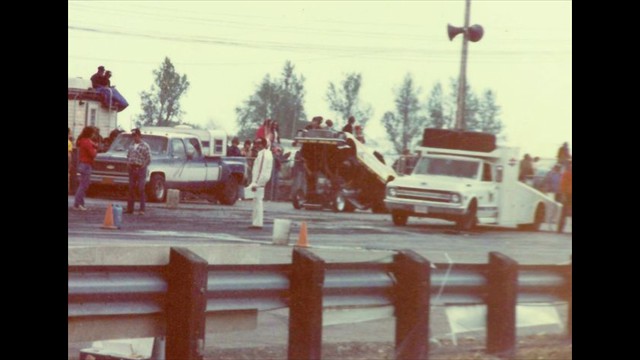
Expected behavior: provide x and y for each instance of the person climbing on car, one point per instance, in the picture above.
(359, 133)
(349, 127)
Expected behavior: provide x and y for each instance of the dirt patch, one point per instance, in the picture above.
(536, 347)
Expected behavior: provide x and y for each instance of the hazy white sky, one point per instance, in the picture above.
(226, 48)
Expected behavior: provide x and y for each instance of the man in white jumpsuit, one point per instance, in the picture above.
(260, 175)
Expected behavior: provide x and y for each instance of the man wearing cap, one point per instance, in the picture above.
(260, 175)
(97, 79)
(138, 158)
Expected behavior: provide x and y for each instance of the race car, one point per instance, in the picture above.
(341, 173)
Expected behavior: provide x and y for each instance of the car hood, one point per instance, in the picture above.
(445, 183)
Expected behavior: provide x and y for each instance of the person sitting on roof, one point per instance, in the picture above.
(98, 79)
(107, 78)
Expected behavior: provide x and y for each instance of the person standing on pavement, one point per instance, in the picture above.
(564, 155)
(234, 150)
(87, 151)
(69, 157)
(552, 182)
(566, 191)
(138, 158)
(260, 175)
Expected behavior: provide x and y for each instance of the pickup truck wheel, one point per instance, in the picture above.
(538, 219)
(469, 220)
(399, 218)
(228, 194)
(156, 189)
(298, 199)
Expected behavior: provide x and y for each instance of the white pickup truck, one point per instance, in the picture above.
(185, 159)
(466, 178)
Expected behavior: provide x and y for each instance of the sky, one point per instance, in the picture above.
(227, 47)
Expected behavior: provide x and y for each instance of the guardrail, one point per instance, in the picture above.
(175, 300)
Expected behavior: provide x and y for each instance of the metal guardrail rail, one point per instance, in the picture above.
(129, 290)
(108, 291)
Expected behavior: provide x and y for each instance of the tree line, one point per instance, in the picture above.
(282, 98)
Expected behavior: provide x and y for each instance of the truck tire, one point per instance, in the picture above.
(156, 188)
(228, 193)
(298, 199)
(468, 221)
(538, 219)
(399, 218)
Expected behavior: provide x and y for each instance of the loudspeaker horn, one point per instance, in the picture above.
(452, 31)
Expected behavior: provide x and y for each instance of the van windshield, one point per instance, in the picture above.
(158, 144)
(447, 167)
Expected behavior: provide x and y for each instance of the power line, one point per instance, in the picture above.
(299, 47)
(274, 26)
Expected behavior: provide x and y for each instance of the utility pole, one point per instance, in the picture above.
(473, 33)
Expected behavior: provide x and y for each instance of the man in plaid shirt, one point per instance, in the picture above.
(138, 158)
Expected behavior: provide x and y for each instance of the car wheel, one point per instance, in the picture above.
(538, 219)
(298, 199)
(339, 203)
(157, 190)
(469, 220)
(399, 218)
(228, 194)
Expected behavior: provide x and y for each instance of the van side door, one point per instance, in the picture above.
(488, 206)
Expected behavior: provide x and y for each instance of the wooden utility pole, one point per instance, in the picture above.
(462, 80)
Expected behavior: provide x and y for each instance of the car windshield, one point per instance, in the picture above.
(447, 167)
(158, 144)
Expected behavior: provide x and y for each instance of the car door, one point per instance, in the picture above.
(195, 170)
(488, 199)
(176, 165)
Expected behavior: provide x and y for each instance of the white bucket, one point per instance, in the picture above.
(173, 198)
(281, 230)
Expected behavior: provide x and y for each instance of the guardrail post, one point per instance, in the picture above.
(186, 304)
(305, 307)
(412, 301)
(501, 305)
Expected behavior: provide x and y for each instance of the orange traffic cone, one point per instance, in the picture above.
(302, 238)
(108, 219)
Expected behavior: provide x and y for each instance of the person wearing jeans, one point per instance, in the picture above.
(87, 151)
(138, 157)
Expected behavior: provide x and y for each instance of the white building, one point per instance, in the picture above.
(86, 109)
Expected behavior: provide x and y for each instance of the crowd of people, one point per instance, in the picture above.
(87, 147)
(266, 157)
(558, 181)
